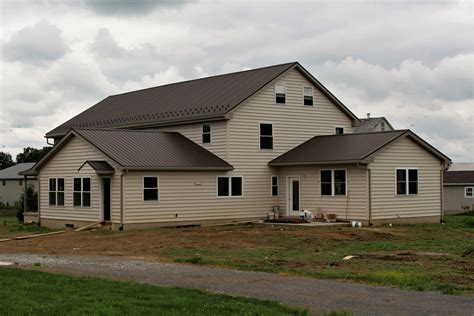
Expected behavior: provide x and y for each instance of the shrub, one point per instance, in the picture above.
(31, 199)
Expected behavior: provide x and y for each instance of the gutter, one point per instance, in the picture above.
(370, 191)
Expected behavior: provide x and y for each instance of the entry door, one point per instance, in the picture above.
(106, 197)
(294, 195)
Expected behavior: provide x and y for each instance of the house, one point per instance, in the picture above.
(458, 188)
(12, 184)
(373, 124)
(232, 148)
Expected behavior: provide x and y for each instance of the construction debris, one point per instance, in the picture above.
(39, 235)
(90, 226)
(6, 239)
(349, 257)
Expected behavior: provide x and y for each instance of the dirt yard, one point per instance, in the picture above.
(421, 257)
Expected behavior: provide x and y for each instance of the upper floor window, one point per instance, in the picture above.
(229, 186)
(56, 191)
(206, 133)
(308, 96)
(407, 181)
(274, 185)
(339, 130)
(280, 94)
(150, 188)
(82, 192)
(333, 182)
(266, 136)
(469, 192)
(382, 126)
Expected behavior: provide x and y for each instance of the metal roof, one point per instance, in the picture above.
(346, 148)
(11, 173)
(188, 101)
(100, 167)
(458, 177)
(368, 125)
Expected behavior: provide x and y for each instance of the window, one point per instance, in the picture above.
(274, 185)
(469, 192)
(56, 191)
(229, 186)
(308, 96)
(150, 188)
(4, 182)
(280, 95)
(206, 133)
(382, 126)
(20, 182)
(333, 182)
(407, 181)
(339, 130)
(82, 192)
(266, 136)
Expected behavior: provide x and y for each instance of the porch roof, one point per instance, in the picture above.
(100, 167)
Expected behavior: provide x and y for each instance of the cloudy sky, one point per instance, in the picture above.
(413, 63)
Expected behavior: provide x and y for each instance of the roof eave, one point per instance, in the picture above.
(310, 163)
(178, 168)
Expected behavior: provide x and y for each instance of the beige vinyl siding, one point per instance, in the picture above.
(386, 203)
(293, 123)
(353, 206)
(454, 198)
(218, 145)
(65, 164)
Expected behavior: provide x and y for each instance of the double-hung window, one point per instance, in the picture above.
(469, 192)
(274, 185)
(82, 192)
(206, 133)
(150, 189)
(280, 93)
(56, 191)
(308, 96)
(229, 186)
(266, 136)
(333, 182)
(407, 181)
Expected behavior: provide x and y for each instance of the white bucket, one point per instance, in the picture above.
(356, 224)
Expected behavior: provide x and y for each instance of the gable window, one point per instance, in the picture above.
(206, 133)
(333, 182)
(469, 192)
(382, 126)
(266, 136)
(280, 93)
(229, 186)
(407, 181)
(82, 192)
(274, 185)
(56, 191)
(339, 130)
(150, 188)
(308, 96)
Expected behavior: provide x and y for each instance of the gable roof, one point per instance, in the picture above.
(368, 125)
(11, 173)
(458, 177)
(145, 150)
(346, 148)
(99, 166)
(202, 99)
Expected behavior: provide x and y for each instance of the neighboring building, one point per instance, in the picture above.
(458, 185)
(12, 184)
(230, 148)
(373, 124)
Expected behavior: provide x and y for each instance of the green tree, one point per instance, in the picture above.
(5, 160)
(31, 154)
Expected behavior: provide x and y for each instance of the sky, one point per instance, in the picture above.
(412, 62)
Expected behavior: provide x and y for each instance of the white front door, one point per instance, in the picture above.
(293, 195)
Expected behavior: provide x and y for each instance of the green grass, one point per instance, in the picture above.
(9, 226)
(24, 292)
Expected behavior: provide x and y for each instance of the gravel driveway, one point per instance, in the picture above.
(316, 295)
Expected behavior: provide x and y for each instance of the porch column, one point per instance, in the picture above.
(25, 195)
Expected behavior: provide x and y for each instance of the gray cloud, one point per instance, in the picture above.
(37, 44)
(127, 7)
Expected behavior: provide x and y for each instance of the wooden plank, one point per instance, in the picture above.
(6, 239)
(87, 227)
(39, 235)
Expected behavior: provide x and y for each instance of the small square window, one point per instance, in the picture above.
(339, 130)
(308, 96)
(469, 192)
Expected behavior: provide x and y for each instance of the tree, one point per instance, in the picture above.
(31, 154)
(5, 160)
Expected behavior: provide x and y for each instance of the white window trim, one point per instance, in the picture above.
(279, 83)
(312, 94)
(465, 193)
(271, 185)
(82, 191)
(230, 187)
(157, 188)
(333, 183)
(56, 192)
(408, 182)
(260, 136)
(343, 130)
(210, 133)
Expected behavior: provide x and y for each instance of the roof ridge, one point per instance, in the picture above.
(365, 133)
(197, 79)
(123, 130)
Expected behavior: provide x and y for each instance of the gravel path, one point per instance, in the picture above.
(316, 295)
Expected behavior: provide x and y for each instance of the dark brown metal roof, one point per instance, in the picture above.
(347, 148)
(152, 150)
(458, 177)
(100, 166)
(204, 98)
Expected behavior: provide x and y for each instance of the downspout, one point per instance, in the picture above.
(39, 198)
(25, 196)
(370, 191)
(121, 199)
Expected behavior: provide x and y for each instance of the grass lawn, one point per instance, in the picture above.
(9, 227)
(25, 292)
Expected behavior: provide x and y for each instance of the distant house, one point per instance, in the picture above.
(11, 183)
(458, 194)
(234, 147)
(373, 124)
